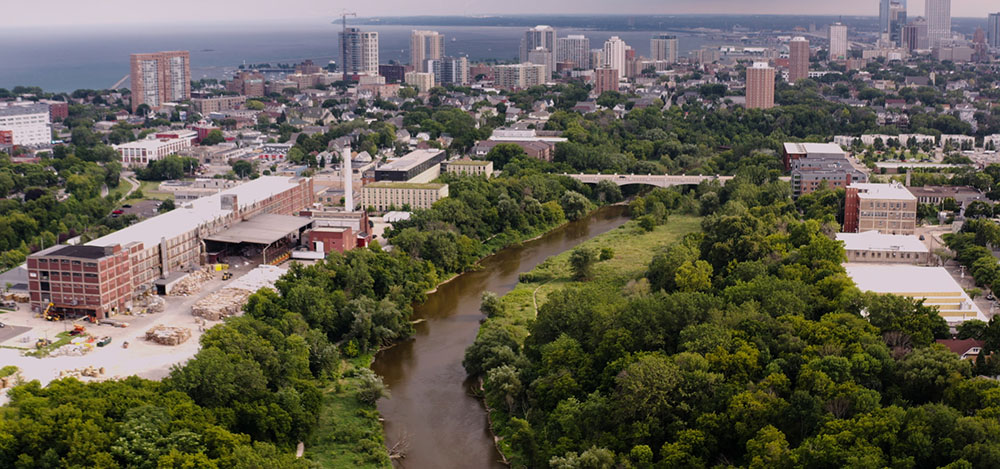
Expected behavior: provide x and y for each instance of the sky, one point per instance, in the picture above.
(42, 13)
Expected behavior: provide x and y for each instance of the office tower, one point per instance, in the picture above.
(540, 36)
(605, 79)
(897, 20)
(993, 30)
(798, 59)
(938, 14)
(979, 46)
(883, 18)
(663, 47)
(838, 41)
(915, 35)
(614, 54)
(160, 77)
(359, 52)
(425, 45)
(574, 48)
(449, 70)
(541, 56)
(760, 86)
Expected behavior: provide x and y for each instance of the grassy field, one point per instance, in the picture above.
(149, 191)
(61, 339)
(633, 249)
(349, 434)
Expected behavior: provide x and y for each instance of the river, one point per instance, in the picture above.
(430, 406)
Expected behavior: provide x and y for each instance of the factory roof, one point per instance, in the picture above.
(932, 284)
(189, 216)
(823, 148)
(262, 229)
(409, 161)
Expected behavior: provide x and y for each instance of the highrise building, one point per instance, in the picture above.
(449, 70)
(424, 46)
(159, 78)
(760, 86)
(663, 47)
(574, 48)
(605, 79)
(993, 30)
(915, 35)
(422, 81)
(838, 41)
(938, 14)
(614, 54)
(883, 19)
(542, 56)
(359, 52)
(540, 36)
(798, 59)
(897, 20)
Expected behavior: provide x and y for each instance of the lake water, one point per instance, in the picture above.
(70, 60)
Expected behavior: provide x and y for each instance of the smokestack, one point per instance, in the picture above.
(345, 168)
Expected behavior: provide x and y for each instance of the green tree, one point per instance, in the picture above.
(214, 137)
(581, 263)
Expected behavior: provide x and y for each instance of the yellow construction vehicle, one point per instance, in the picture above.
(51, 317)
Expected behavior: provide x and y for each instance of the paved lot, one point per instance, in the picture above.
(8, 332)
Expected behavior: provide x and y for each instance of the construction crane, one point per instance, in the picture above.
(343, 17)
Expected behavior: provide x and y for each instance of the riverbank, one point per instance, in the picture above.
(633, 249)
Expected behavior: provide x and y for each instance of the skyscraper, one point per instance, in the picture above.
(798, 59)
(425, 45)
(883, 18)
(359, 52)
(574, 48)
(915, 35)
(663, 47)
(160, 77)
(838, 41)
(897, 20)
(760, 86)
(540, 36)
(542, 56)
(614, 54)
(993, 30)
(938, 13)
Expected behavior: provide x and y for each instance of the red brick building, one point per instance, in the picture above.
(81, 280)
(6, 137)
(333, 238)
(605, 79)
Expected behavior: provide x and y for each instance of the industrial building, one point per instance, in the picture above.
(417, 166)
(817, 165)
(872, 246)
(103, 276)
(934, 285)
(387, 195)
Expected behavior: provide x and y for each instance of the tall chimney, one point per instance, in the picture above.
(345, 168)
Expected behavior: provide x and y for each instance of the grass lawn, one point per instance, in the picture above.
(633, 248)
(349, 434)
(149, 191)
(61, 339)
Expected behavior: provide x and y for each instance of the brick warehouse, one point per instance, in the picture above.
(104, 275)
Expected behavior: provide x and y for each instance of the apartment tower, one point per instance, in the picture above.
(663, 47)
(160, 77)
(540, 36)
(359, 52)
(838, 41)
(424, 46)
(614, 55)
(993, 30)
(798, 59)
(574, 48)
(760, 86)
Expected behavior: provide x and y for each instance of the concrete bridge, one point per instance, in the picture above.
(658, 180)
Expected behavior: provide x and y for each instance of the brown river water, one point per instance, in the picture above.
(430, 404)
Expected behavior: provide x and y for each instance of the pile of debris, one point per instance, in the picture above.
(11, 380)
(152, 304)
(192, 283)
(89, 372)
(168, 335)
(72, 350)
(221, 304)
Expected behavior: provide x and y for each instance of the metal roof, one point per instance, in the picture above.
(262, 229)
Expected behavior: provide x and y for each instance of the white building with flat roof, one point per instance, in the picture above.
(141, 152)
(934, 285)
(29, 124)
(872, 246)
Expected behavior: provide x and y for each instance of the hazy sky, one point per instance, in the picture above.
(92, 12)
